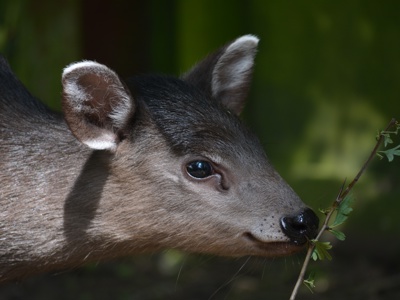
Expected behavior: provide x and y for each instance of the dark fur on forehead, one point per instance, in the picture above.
(190, 120)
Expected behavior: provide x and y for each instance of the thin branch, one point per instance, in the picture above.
(392, 123)
(342, 194)
(302, 271)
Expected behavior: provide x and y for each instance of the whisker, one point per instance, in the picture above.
(234, 277)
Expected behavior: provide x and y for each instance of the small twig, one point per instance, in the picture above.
(392, 123)
(341, 195)
(302, 271)
(311, 246)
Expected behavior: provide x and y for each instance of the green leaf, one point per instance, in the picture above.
(386, 139)
(321, 250)
(314, 255)
(309, 282)
(343, 210)
(324, 211)
(390, 153)
(338, 234)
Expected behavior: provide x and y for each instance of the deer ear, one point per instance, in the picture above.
(96, 104)
(226, 74)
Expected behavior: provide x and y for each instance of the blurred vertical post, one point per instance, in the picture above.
(39, 38)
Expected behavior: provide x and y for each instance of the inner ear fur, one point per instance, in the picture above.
(226, 74)
(96, 104)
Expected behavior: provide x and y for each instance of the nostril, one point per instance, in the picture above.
(301, 227)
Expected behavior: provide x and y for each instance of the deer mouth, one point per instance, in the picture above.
(273, 249)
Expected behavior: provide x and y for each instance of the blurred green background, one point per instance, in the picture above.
(326, 79)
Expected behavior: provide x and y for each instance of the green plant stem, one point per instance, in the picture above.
(342, 194)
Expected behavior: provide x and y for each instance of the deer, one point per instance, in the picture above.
(140, 165)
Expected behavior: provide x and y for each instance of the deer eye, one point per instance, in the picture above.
(199, 169)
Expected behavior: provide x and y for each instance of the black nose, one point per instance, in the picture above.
(301, 227)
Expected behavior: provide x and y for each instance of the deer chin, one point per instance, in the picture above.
(272, 249)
